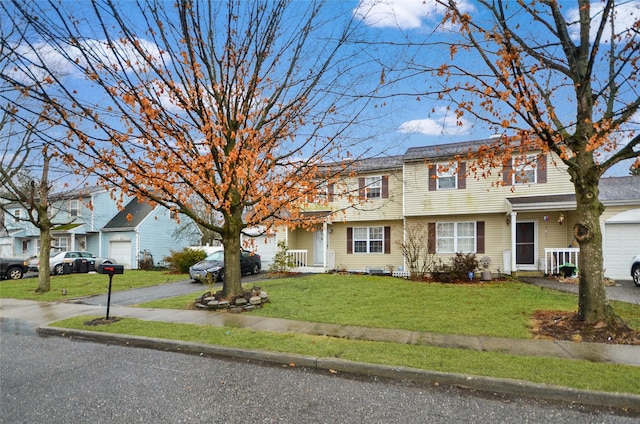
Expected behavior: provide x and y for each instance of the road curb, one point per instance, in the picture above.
(624, 401)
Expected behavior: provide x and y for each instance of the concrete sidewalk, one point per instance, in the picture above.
(38, 315)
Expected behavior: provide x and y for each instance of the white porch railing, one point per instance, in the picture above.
(555, 258)
(297, 257)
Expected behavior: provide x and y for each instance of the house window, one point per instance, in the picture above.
(16, 215)
(74, 209)
(447, 178)
(523, 171)
(373, 187)
(325, 191)
(60, 244)
(452, 237)
(368, 240)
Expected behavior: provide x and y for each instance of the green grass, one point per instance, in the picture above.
(82, 285)
(499, 309)
(562, 372)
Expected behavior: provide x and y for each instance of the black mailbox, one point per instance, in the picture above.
(110, 269)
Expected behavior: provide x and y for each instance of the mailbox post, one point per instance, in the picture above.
(110, 270)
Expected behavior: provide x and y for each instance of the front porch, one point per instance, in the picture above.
(299, 259)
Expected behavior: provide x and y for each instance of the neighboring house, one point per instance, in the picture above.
(139, 230)
(90, 219)
(524, 223)
(77, 215)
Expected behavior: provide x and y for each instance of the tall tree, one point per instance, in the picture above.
(553, 76)
(222, 107)
(24, 156)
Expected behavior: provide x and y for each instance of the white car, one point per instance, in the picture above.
(635, 270)
(75, 261)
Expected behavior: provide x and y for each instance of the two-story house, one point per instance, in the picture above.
(90, 219)
(520, 215)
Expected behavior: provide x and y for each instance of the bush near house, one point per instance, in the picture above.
(463, 267)
(179, 262)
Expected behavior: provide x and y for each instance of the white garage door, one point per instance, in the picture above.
(121, 252)
(621, 243)
(266, 247)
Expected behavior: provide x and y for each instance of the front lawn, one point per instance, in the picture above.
(562, 372)
(499, 309)
(82, 285)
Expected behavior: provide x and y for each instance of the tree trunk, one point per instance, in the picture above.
(44, 277)
(592, 297)
(232, 285)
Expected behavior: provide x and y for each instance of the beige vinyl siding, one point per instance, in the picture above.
(497, 235)
(480, 195)
(355, 209)
(364, 261)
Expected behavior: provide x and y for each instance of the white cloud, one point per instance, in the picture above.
(44, 56)
(626, 14)
(402, 14)
(442, 123)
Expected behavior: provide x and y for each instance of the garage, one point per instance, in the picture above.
(120, 251)
(265, 246)
(621, 242)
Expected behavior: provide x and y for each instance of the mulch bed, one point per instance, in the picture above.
(102, 321)
(564, 325)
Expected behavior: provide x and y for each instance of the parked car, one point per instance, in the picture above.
(13, 268)
(75, 261)
(214, 265)
(635, 270)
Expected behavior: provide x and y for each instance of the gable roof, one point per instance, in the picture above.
(380, 163)
(138, 212)
(616, 189)
(440, 151)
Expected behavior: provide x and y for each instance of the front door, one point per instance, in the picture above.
(526, 245)
(318, 247)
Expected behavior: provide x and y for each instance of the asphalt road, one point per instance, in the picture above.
(57, 380)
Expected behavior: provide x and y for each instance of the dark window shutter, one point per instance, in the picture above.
(361, 188)
(506, 173)
(480, 237)
(349, 240)
(432, 178)
(330, 192)
(385, 186)
(431, 237)
(462, 176)
(541, 169)
(387, 240)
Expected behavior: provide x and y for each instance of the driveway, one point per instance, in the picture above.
(622, 291)
(162, 291)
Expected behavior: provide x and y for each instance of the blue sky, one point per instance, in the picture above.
(400, 120)
(427, 122)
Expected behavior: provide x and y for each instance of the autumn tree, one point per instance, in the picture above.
(27, 175)
(552, 76)
(222, 107)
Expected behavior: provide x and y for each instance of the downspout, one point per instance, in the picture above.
(514, 216)
(137, 248)
(404, 216)
(325, 238)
